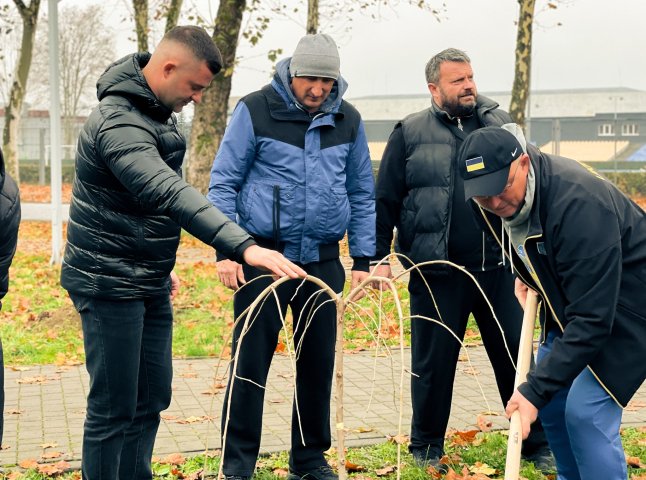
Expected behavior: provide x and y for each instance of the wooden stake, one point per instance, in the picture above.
(525, 350)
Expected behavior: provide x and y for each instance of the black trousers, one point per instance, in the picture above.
(314, 327)
(435, 351)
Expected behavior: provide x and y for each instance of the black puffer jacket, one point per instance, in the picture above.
(9, 221)
(129, 200)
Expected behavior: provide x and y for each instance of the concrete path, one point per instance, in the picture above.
(45, 405)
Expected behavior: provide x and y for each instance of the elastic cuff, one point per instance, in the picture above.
(361, 264)
(374, 263)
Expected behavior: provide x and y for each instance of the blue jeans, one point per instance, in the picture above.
(582, 425)
(128, 357)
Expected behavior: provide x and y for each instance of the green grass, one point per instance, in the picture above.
(483, 453)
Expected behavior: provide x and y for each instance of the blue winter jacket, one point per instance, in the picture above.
(300, 180)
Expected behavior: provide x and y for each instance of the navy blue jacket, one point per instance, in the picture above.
(302, 180)
(587, 247)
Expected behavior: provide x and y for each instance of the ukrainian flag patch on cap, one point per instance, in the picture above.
(475, 164)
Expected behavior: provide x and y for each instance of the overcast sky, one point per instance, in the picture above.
(599, 43)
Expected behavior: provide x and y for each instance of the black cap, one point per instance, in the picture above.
(485, 160)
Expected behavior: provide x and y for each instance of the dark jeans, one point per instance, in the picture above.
(128, 357)
(314, 367)
(435, 351)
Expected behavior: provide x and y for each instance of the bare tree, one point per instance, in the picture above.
(173, 10)
(86, 48)
(210, 116)
(312, 17)
(523, 63)
(141, 24)
(29, 16)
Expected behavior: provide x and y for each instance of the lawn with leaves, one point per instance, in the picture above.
(471, 455)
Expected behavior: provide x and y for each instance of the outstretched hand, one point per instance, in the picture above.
(273, 261)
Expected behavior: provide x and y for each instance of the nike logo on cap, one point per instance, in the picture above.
(513, 154)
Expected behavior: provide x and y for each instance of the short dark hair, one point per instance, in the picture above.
(448, 55)
(199, 43)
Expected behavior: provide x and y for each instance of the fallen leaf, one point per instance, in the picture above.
(484, 424)
(28, 463)
(381, 472)
(53, 468)
(634, 462)
(173, 459)
(482, 468)
(48, 445)
(353, 467)
(363, 430)
(13, 412)
(399, 439)
(280, 472)
(51, 455)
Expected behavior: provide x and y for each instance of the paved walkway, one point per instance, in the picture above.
(45, 405)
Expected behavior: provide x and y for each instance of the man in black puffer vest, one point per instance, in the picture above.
(129, 203)
(420, 192)
(10, 220)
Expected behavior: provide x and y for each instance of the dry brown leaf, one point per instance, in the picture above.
(53, 468)
(634, 462)
(51, 455)
(363, 430)
(484, 424)
(381, 472)
(173, 459)
(482, 468)
(280, 472)
(48, 445)
(353, 467)
(28, 463)
(11, 411)
(399, 439)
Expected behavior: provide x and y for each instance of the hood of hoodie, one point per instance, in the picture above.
(125, 78)
(282, 84)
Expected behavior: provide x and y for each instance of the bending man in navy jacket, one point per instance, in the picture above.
(294, 170)
(581, 244)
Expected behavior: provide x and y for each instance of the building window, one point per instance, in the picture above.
(606, 130)
(630, 129)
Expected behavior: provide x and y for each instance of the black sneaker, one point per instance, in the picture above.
(542, 459)
(429, 457)
(236, 477)
(324, 472)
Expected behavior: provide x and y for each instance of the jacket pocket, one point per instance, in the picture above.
(336, 215)
(257, 208)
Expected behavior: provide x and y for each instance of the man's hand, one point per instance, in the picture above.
(521, 290)
(230, 274)
(273, 261)
(381, 271)
(358, 276)
(174, 285)
(528, 412)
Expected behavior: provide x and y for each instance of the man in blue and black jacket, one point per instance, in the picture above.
(294, 170)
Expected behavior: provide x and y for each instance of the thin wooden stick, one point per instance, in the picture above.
(525, 349)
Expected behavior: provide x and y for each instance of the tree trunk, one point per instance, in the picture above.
(312, 17)
(210, 116)
(172, 16)
(521, 86)
(141, 24)
(13, 110)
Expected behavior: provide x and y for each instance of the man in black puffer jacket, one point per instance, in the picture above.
(129, 204)
(10, 220)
